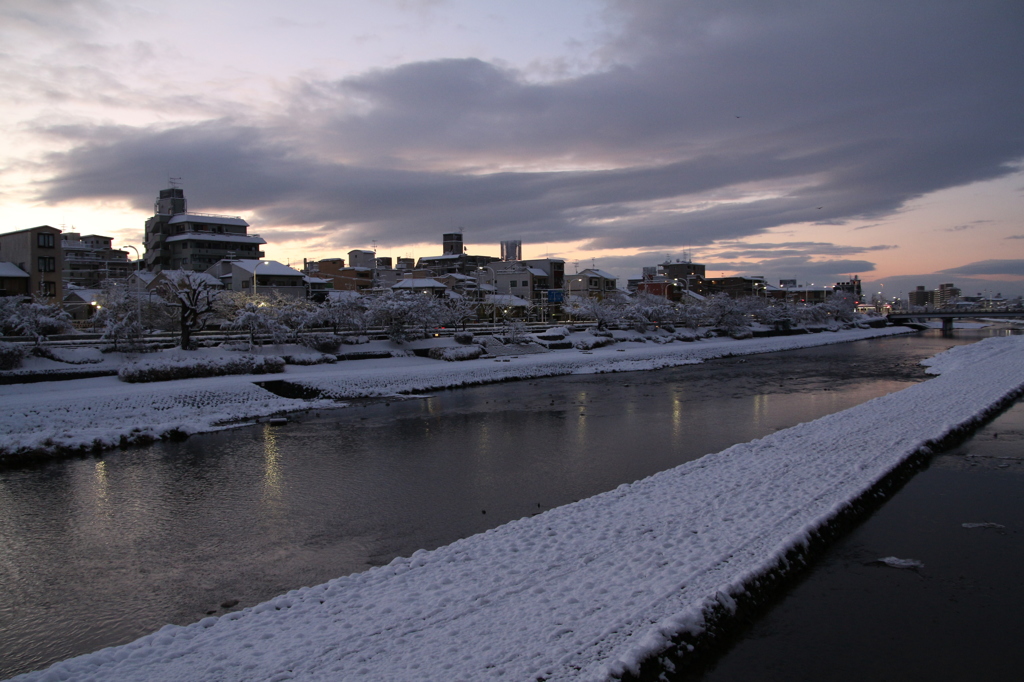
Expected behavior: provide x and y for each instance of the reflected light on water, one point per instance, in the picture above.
(271, 468)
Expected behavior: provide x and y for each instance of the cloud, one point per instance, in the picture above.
(1012, 267)
(709, 121)
(968, 226)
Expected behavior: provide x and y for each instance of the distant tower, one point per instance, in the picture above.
(452, 244)
(512, 249)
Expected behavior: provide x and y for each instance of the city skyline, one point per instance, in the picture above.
(798, 142)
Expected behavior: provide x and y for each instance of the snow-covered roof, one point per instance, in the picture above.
(195, 275)
(419, 284)
(694, 295)
(506, 300)
(266, 267)
(144, 275)
(536, 272)
(453, 294)
(83, 295)
(11, 270)
(597, 273)
(206, 219)
(218, 237)
(315, 280)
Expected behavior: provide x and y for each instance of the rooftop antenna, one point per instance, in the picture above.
(175, 183)
(576, 266)
(374, 242)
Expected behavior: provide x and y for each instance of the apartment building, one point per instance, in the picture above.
(36, 251)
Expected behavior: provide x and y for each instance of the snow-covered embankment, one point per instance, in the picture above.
(591, 589)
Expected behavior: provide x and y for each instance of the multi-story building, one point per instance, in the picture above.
(36, 251)
(179, 240)
(454, 258)
(91, 259)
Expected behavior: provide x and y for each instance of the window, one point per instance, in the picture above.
(49, 288)
(47, 263)
(512, 283)
(526, 283)
(44, 240)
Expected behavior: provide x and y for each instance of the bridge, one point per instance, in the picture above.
(947, 316)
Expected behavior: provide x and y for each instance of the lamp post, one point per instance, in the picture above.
(254, 269)
(138, 292)
(494, 303)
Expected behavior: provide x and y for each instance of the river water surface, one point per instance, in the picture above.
(99, 551)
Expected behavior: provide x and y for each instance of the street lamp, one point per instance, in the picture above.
(494, 302)
(138, 282)
(254, 269)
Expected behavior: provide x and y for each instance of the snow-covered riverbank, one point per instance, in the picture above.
(591, 589)
(102, 412)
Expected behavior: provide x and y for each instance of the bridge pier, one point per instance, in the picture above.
(947, 325)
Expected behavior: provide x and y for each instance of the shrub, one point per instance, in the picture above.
(325, 343)
(310, 359)
(188, 368)
(594, 342)
(464, 337)
(11, 355)
(70, 356)
(456, 353)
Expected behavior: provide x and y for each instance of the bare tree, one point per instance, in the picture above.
(192, 296)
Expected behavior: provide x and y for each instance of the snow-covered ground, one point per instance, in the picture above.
(590, 589)
(103, 412)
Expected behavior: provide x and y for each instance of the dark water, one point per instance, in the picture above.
(958, 617)
(96, 552)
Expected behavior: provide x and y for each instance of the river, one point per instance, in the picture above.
(99, 551)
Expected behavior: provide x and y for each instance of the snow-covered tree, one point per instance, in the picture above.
(255, 315)
(343, 312)
(40, 319)
(456, 311)
(394, 312)
(645, 309)
(192, 296)
(604, 311)
(118, 314)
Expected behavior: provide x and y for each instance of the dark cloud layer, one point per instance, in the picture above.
(709, 121)
(1012, 267)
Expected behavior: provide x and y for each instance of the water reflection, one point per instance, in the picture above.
(271, 469)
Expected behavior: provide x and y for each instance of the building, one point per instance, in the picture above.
(91, 259)
(361, 258)
(454, 258)
(736, 287)
(261, 277)
(342, 278)
(851, 287)
(13, 280)
(177, 239)
(592, 283)
(36, 251)
(427, 286)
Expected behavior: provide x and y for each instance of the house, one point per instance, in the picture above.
(13, 280)
(177, 239)
(82, 304)
(259, 276)
(36, 251)
(592, 283)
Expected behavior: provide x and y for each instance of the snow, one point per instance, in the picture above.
(591, 589)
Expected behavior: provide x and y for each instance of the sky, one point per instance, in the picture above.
(808, 140)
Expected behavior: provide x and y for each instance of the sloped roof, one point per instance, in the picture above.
(419, 284)
(11, 270)
(507, 300)
(266, 267)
